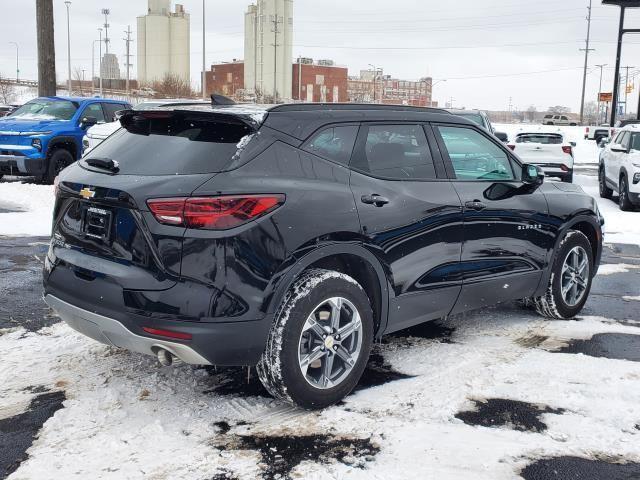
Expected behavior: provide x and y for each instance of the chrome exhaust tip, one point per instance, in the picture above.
(164, 357)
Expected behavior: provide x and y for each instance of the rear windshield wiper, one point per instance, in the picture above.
(105, 163)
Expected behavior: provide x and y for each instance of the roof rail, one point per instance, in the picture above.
(302, 107)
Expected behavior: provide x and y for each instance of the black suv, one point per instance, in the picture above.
(293, 236)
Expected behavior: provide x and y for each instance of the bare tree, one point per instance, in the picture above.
(8, 92)
(77, 77)
(591, 113)
(531, 113)
(559, 110)
(173, 86)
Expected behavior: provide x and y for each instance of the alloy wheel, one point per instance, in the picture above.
(575, 276)
(330, 343)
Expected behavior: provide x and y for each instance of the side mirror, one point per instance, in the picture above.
(87, 122)
(532, 175)
(573, 144)
(603, 143)
(616, 147)
(503, 137)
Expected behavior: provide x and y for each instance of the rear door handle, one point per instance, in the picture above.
(375, 199)
(476, 205)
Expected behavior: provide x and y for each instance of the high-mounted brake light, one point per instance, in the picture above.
(568, 149)
(213, 213)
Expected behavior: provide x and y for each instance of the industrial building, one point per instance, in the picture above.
(227, 79)
(320, 81)
(374, 86)
(163, 42)
(268, 38)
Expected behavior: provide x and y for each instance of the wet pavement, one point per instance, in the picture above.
(615, 346)
(564, 468)
(21, 261)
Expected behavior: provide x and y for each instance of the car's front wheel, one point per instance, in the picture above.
(571, 279)
(320, 340)
(623, 200)
(58, 161)
(605, 192)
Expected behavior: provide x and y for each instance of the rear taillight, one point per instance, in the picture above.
(511, 146)
(213, 213)
(587, 129)
(564, 168)
(568, 149)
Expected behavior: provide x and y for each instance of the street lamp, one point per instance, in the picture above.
(17, 61)
(93, 66)
(68, 4)
(375, 78)
(204, 49)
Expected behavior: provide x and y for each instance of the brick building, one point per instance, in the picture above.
(226, 78)
(379, 88)
(319, 82)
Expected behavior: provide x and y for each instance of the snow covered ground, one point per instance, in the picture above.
(536, 389)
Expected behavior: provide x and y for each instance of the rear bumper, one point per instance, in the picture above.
(111, 332)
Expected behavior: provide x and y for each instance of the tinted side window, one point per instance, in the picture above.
(110, 110)
(635, 142)
(94, 110)
(334, 143)
(564, 118)
(618, 138)
(475, 157)
(398, 152)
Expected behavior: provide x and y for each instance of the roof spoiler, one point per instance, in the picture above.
(221, 100)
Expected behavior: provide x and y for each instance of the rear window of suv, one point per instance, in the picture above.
(160, 143)
(544, 139)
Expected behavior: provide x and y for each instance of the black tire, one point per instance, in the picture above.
(623, 200)
(605, 192)
(279, 369)
(568, 178)
(1, 175)
(552, 304)
(58, 161)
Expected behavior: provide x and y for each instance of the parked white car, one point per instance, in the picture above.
(98, 133)
(558, 120)
(549, 150)
(619, 169)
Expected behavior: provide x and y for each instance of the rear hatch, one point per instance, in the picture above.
(104, 235)
(541, 148)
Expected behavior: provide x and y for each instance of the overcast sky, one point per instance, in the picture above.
(489, 51)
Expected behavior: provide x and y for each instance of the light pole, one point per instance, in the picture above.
(601, 67)
(100, 61)
(17, 61)
(68, 4)
(204, 47)
(93, 66)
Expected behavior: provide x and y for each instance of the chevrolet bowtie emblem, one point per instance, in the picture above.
(87, 193)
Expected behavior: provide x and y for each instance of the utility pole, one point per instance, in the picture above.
(601, 67)
(46, 49)
(106, 12)
(276, 31)
(128, 43)
(204, 49)
(100, 62)
(68, 4)
(17, 61)
(586, 63)
(626, 86)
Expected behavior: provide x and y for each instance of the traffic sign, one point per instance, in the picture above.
(606, 97)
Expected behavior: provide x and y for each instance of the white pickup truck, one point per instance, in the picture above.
(597, 133)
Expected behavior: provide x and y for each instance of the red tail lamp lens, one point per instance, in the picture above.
(213, 213)
(167, 333)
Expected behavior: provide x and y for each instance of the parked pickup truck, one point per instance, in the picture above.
(45, 135)
(597, 133)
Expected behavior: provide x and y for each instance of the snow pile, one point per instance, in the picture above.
(125, 418)
(34, 205)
